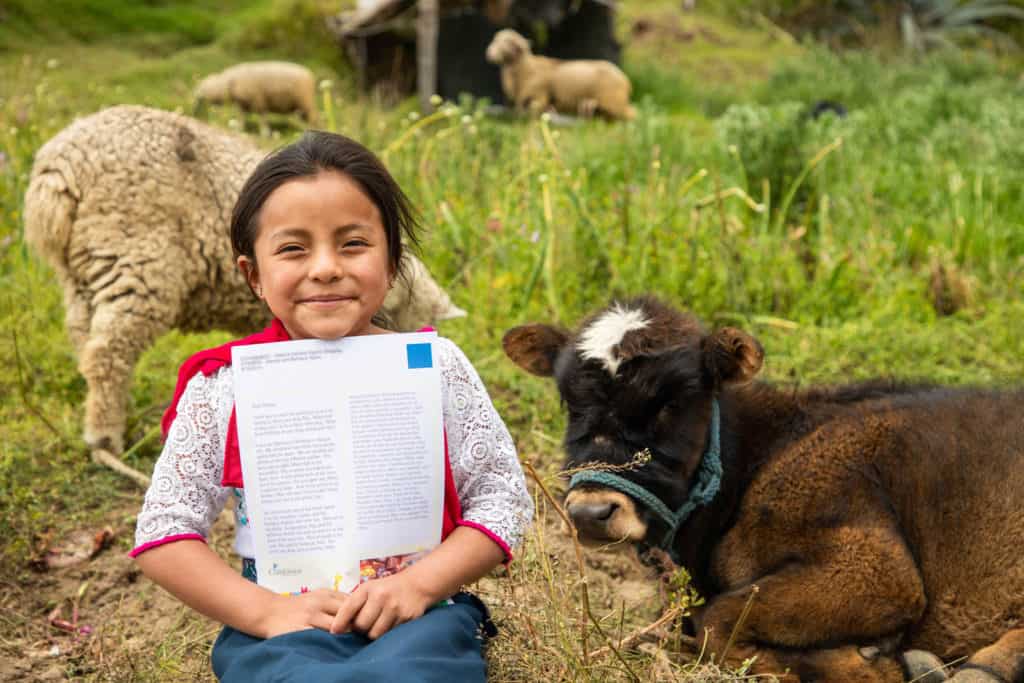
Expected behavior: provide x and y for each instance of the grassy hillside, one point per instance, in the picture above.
(830, 239)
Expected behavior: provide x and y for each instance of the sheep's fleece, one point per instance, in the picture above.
(263, 86)
(131, 207)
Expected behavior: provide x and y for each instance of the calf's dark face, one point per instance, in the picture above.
(647, 422)
(639, 405)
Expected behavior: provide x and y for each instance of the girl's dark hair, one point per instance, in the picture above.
(314, 152)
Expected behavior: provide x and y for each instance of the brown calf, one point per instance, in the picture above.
(875, 518)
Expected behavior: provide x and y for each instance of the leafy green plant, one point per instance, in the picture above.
(773, 146)
(927, 24)
(918, 25)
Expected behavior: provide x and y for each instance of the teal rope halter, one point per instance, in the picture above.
(709, 479)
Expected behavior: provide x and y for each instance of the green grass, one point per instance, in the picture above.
(164, 25)
(720, 197)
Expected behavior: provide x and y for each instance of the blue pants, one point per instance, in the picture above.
(444, 645)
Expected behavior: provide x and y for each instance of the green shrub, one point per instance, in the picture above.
(290, 29)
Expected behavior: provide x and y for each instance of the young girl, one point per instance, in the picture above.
(317, 230)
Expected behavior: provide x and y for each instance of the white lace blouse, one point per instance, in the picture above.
(185, 495)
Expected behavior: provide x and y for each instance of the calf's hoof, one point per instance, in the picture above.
(970, 674)
(921, 666)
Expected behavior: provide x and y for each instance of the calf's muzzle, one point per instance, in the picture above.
(591, 519)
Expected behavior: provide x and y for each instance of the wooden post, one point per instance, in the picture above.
(427, 22)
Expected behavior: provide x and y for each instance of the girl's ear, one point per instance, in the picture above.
(247, 267)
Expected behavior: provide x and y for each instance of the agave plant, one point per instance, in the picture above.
(926, 24)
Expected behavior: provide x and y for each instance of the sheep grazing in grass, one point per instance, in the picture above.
(131, 208)
(259, 87)
(582, 86)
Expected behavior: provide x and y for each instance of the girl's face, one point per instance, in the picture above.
(321, 257)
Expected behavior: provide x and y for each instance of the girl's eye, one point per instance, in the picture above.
(356, 243)
(289, 248)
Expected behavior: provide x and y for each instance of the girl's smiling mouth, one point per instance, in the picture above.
(326, 300)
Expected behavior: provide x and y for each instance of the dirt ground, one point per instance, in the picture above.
(101, 619)
(122, 618)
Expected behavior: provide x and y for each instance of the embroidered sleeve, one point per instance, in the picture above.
(485, 467)
(185, 495)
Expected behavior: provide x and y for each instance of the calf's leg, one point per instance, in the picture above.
(1001, 662)
(828, 665)
(842, 664)
(869, 589)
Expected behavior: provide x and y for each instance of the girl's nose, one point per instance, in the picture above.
(325, 265)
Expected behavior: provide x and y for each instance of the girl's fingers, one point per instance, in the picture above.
(322, 621)
(348, 610)
(385, 622)
(368, 616)
(331, 604)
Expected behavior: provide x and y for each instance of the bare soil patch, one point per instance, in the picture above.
(124, 627)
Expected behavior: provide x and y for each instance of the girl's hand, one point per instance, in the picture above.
(315, 609)
(376, 607)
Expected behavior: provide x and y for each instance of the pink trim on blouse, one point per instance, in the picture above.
(161, 541)
(491, 535)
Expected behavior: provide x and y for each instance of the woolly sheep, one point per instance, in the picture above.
(580, 86)
(131, 207)
(280, 87)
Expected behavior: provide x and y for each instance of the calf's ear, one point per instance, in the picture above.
(534, 347)
(732, 356)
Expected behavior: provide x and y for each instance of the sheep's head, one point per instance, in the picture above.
(507, 47)
(212, 89)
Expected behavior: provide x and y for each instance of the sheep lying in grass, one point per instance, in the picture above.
(581, 86)
(131, 207)
(259, 87)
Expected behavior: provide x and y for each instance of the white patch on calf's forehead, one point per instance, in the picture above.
(600, 339)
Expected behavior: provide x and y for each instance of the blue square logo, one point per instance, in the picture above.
(419, 356)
